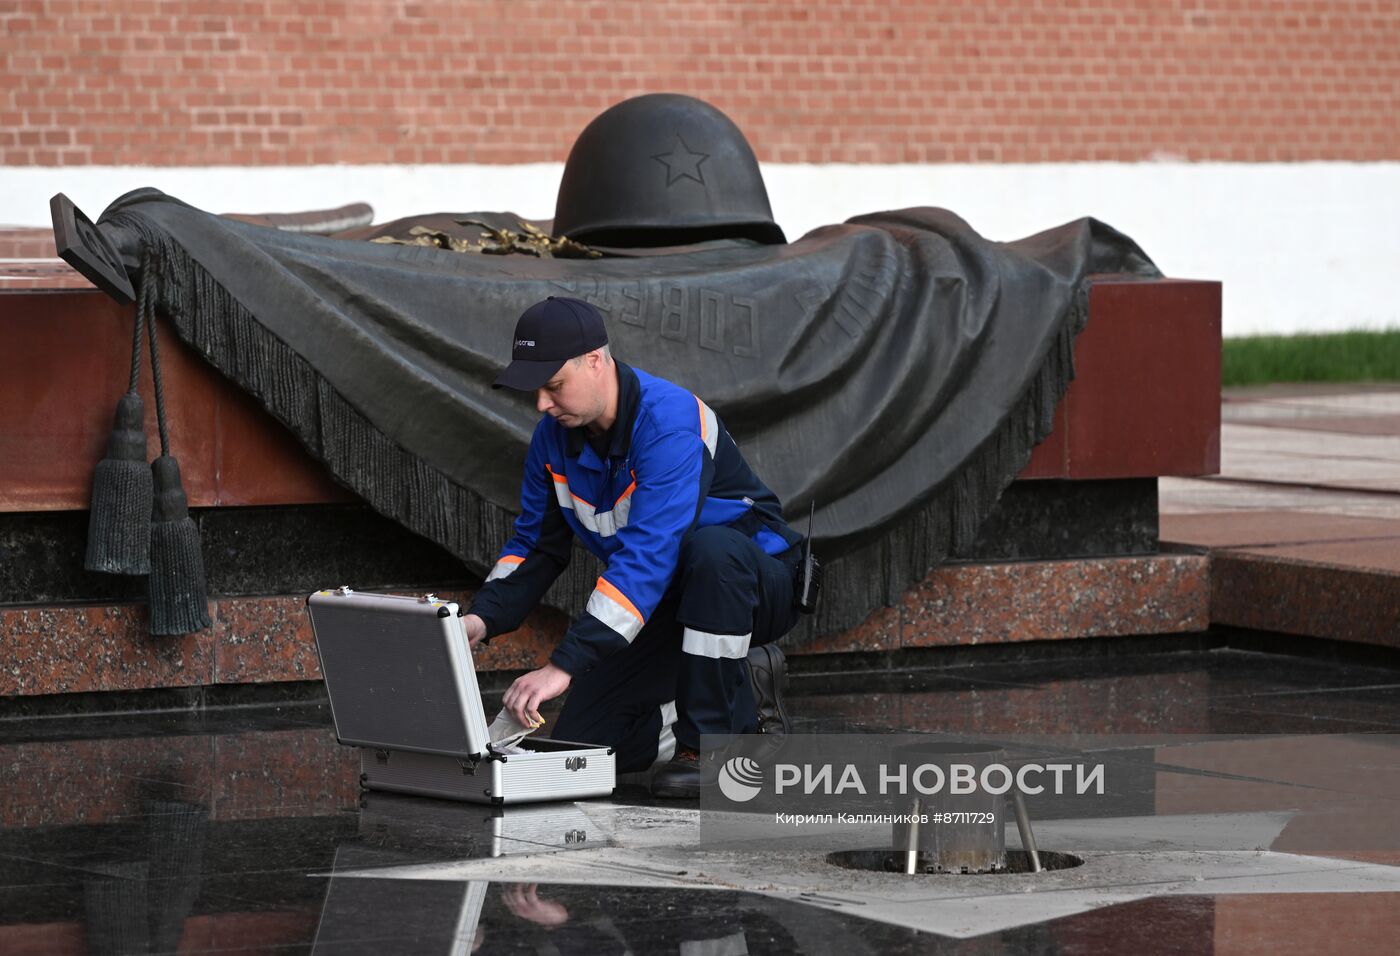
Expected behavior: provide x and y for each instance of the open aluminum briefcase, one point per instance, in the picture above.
(402, 688)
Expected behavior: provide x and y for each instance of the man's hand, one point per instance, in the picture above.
(475, 628)
(524, 901)
(523, 698)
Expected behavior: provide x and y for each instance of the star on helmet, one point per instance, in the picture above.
(682, 162)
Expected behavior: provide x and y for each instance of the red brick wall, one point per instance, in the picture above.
(503, 81)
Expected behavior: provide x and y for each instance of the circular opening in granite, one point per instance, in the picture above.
(885, 861)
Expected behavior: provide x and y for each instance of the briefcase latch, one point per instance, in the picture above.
(575, 763)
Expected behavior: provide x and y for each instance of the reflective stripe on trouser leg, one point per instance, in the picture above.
(666, 740)
(705, 644)
(714, 687)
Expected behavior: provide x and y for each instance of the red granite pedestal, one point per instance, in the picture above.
(1309, 574)
(257, 640)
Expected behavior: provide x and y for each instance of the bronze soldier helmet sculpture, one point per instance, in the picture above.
(661, 170)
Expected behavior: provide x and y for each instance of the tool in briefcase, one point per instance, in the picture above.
(399, 675)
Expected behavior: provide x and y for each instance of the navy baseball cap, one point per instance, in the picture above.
(547, 335)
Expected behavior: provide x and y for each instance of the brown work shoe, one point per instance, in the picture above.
(680, 778)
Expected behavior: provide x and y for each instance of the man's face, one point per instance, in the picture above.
(574, 397)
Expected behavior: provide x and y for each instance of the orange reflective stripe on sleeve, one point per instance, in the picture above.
(505, 567)
(709, 427)
(612, 607)
(561, 489)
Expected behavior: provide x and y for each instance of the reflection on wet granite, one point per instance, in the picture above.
(238, 828)
(531, 918)
(387, 917)
(1222, 691)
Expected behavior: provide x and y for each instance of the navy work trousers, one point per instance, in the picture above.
(685, 674)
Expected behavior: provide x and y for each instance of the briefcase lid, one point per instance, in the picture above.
(398, 672)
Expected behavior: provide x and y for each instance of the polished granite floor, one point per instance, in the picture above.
(244, 830)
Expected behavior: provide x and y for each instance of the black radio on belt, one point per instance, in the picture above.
(807, 583)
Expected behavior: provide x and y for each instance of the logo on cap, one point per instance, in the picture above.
(548, 334)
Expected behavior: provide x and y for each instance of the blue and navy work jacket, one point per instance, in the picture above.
(670, 466)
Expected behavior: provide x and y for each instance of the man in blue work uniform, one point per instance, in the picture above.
(677, 637)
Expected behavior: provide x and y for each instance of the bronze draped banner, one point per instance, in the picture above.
(896, 369)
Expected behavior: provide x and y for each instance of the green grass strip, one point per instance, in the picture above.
(1331, 357)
